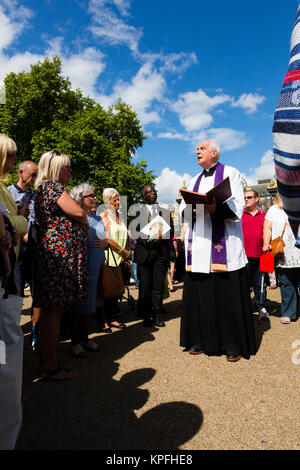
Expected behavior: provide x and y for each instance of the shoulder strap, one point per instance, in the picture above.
(283, 230)
(109, 249)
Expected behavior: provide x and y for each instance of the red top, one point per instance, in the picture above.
(253, 233)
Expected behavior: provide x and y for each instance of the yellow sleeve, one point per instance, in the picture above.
(18, 221)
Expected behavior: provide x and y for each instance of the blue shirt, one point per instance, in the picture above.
(20, 196)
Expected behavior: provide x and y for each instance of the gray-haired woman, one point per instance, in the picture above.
(84, 195)
(117, 237)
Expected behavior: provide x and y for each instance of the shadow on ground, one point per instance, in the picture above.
(96, 411)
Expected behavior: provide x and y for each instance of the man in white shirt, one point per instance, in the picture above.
(216, 314)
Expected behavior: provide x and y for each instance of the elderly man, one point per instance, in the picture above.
(216, 313)
(23, 195)
(253, 222)
(152, 254)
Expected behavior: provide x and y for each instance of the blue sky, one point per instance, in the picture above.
(191, 69)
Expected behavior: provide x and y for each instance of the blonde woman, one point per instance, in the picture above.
(60, 261)
(287, 267)
(8, 157)
(117, 237)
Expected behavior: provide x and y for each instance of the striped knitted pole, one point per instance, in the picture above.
(286, 136)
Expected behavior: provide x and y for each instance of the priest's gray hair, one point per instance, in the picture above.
(108, 194)
(79, 191)
(215, 146)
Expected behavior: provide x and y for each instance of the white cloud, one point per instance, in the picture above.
(168, 184)
(146, 87)
(228, 139)
(249, 102)
(13, 19)
(266, 169)
(175, 63)
(82, 68)
(172, 135)
(193, 109)
(110, 27)
(17, 63)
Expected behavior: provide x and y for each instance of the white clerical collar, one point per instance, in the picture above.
(210, 171)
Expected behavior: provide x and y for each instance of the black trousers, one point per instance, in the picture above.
(152, 275)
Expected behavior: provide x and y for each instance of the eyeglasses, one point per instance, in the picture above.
(249, 197)
(90, 195)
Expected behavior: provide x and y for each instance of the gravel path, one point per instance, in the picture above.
(143, 392)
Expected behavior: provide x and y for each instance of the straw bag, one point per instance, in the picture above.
(110, 282)
(277, 245)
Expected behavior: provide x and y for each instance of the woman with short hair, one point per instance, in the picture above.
(60, 259)
(117, 237)
(84, 195)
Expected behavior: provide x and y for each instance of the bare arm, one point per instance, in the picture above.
(112, 243)
(267, 235)
(71, 208)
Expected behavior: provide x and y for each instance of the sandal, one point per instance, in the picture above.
(77, 351)
(285, 320)
(90, 345)
(59, 374)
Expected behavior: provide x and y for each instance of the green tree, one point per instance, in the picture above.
(43, 113)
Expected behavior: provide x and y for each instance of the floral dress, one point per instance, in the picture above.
(60, 261)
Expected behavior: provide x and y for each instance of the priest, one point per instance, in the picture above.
(216, 314)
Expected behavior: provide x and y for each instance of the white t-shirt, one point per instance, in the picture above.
(278, 217)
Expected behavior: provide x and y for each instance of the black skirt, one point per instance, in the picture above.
(217, 313)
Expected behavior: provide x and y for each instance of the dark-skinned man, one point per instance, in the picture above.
(152, 254)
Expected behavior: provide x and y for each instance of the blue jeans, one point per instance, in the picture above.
(255, 276)
(134, 270)
(289, 279)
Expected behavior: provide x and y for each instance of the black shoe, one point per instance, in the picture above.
(121, 326)
(107, 330)
(159, 320)
(148, 322)
(232, 357)
(195, 350)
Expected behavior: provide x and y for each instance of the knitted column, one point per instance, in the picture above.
(286, 136)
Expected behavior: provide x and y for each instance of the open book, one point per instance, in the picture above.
(221, 193)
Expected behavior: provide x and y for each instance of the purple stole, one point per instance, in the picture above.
(218, 242)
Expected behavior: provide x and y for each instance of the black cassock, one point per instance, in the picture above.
(217, 313)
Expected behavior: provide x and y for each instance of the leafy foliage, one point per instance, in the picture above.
(43, 113)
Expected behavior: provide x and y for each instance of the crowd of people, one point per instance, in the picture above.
(62, 246)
